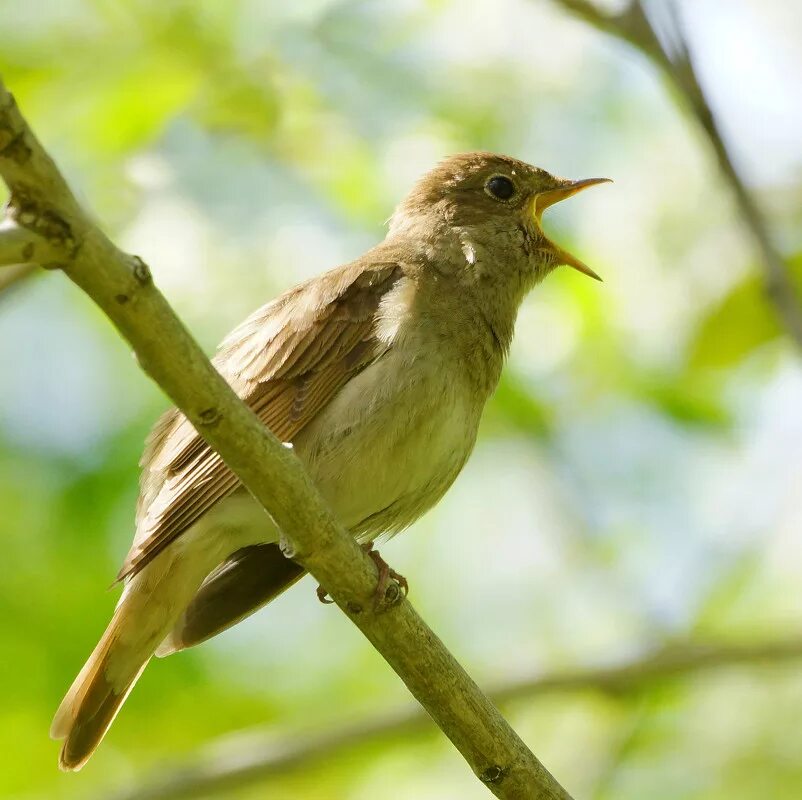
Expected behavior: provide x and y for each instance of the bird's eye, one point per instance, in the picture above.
(500, 187)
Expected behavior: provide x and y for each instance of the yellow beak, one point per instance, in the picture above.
(548, 198)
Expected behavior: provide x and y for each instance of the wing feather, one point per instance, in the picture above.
(287, 361)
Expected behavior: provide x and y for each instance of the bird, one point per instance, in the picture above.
(376, 373)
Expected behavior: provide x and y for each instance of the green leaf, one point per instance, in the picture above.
(738, 325)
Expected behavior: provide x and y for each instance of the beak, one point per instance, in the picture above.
(548, 198)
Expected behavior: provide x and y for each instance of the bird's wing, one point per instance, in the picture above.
(286, 361)
(247, 580)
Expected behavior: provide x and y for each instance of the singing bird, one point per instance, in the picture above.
(376, 372)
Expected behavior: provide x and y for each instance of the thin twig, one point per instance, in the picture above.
(18, 245)
(671, 54)
(242, 759)
(21, 253)
(123, 287)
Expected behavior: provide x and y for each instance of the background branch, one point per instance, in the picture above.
(665, 44)
(239, 760)
(41, 202)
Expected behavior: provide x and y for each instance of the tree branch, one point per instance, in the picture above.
(19, 245)
(41, 202)
(671, 54)
(242, 759)
(21, 252)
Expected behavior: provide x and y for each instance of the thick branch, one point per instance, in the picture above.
(672, 56)
(240, 760)
(122, 286)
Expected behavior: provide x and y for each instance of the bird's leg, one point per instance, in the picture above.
(385, 573)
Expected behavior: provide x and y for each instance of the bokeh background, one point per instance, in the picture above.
(638, 480)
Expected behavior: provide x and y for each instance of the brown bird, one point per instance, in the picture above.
(376, 372)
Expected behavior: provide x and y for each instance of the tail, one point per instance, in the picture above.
(148, 609)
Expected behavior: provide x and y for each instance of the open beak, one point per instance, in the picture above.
(548, 198)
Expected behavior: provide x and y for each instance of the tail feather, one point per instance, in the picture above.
(148, 609)
(101, 704)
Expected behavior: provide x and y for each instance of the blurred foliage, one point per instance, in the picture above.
(637, 477)
(740, 323)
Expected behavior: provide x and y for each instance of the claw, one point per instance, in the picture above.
(323, 595)
(385, 574)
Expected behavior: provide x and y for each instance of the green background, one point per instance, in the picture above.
(638, 479)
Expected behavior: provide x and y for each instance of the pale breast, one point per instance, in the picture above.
(390, 444)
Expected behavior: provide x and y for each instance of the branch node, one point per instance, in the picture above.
(141, 271)
(209, 416)
(43, 222)
(14, 147)
(12, 141)
(493, 775)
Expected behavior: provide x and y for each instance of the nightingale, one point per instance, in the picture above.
(376, 373)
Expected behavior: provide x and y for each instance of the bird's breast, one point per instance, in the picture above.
(392, 441)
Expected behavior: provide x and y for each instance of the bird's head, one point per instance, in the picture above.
(493, 200)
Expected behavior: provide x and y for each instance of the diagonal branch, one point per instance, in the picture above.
(666, 46)
(243, 759)
(41, 202)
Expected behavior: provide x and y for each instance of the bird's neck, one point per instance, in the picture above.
(468, 288)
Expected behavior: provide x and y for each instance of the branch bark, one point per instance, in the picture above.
(671, 55)
(19, 246)
(243, 759)
(121, 285)
(21, 252)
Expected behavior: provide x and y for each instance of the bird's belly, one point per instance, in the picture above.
(389, 445)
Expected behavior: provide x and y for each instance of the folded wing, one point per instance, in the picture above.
(286, 361)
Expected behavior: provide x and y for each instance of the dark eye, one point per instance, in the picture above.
(500, 187)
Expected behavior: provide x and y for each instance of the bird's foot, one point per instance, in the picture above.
(386, 573)
(323, 595)
(383, 588)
